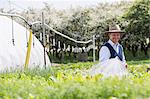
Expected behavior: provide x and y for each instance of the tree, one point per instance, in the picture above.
(138, 27)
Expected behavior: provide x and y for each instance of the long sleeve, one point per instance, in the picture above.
(123, 57)
(124, 60)
(104, 54)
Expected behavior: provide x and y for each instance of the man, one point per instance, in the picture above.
(112, 48)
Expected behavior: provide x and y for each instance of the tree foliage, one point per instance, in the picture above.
(138, 25)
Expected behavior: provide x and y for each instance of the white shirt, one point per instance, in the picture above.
(104, 53)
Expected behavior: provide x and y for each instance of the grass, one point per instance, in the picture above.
(128, 54)
(68, 82)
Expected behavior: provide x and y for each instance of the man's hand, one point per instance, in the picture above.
(126, 65)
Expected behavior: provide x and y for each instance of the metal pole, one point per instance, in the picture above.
(15, 15)
(13, 40)
(63, 35)
(44, 43)
(93, 48)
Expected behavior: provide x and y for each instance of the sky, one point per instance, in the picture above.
(58, 4)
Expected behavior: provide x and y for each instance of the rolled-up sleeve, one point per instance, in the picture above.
(104, 54)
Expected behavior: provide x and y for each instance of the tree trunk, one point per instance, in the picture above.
(134, 50)
(146, 51)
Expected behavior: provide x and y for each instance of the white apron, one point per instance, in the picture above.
(111, 67)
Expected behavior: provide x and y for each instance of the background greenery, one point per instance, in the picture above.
(82, 23)
(71, 80)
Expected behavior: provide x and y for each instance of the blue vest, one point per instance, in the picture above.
(113, 53)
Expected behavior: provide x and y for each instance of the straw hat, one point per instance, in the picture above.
(114, 29)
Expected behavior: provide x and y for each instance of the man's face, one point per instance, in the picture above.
(114, 37)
